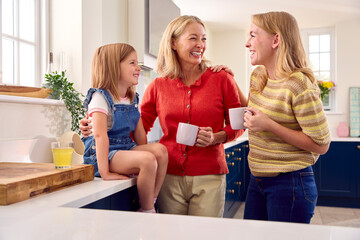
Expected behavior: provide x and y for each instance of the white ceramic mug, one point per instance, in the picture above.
(237, 117)
(187, 134)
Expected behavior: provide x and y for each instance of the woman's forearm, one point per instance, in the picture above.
(297, 138)
(242, 98)
(219, 137)
(102, 152)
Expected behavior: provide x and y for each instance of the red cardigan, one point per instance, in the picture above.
(205, 104)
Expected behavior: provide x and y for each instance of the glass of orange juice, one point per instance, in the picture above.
(62, 154)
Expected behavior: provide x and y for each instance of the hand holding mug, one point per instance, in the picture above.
(258, 121)
(187, 134)
(205, 137)
(236, 116)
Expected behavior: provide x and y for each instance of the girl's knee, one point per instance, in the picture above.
(161, 151)
(149, 161)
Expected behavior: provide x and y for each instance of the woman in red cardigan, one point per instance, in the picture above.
(190, 92)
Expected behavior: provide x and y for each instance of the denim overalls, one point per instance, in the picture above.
(125, 119)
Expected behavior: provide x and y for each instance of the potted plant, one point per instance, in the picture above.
(63, 89)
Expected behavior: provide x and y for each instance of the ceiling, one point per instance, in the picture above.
(229, 14)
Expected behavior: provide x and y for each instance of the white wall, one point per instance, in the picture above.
(65, 36)
(26, 121)
(87, 25)
(348, 63)
(228, 48)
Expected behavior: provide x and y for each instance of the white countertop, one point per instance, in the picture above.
(57, 216)
(241, 139)
(345, 139)
(245, 137)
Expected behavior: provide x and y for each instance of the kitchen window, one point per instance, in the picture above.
(23, 42)
(320, 48)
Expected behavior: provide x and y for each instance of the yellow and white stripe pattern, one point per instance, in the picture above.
(295, 104)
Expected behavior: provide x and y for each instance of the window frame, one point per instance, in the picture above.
(41, 43)
(306, 33)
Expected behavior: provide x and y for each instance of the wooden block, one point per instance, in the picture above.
(21, 181)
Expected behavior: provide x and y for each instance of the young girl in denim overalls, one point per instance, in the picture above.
(118, 146)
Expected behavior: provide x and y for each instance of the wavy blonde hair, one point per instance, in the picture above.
(167, 62)
(290, 55)
(105, 68)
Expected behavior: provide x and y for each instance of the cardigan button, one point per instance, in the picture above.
(189, 92)
(188, 106)
(184, 154)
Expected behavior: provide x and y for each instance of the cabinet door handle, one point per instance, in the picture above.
(358, 147)
(238, 158)
(227, 155)
(237, 149)
(231, 191)
(231, 164)
(238, 183)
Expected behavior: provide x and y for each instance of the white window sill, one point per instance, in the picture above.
(333, 113)
(30, 100)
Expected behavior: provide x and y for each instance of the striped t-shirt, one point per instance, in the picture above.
(294, 103)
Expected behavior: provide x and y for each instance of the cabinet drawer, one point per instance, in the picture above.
(232, 197)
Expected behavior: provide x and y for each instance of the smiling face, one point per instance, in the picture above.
(190, 45)
(129, 71)
(262, 46)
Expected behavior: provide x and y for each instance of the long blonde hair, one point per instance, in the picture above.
(105, 68)
(290, 56)
(167, 63)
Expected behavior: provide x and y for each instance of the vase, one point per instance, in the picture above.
(342, 129)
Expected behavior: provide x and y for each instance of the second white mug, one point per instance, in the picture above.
(187, 134)
(236, 116)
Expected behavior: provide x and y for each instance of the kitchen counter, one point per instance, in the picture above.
(245, 137)
(345, 139)
(239, 140)
(57, 216)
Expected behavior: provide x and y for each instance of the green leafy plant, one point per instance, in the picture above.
(63, 89)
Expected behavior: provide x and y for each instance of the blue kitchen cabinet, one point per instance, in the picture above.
(237, 179)
(337, 175)
(126, 200)
(236, 186)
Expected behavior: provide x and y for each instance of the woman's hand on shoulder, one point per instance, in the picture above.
(218, 68)
(85, 126)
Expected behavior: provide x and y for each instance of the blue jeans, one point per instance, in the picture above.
(288, 197)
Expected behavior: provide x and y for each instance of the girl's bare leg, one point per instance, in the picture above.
(161, 155)
(144, 163)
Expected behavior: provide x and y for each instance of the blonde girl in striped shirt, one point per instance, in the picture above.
(288, 129)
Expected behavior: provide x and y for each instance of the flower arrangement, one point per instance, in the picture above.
(325, 88)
